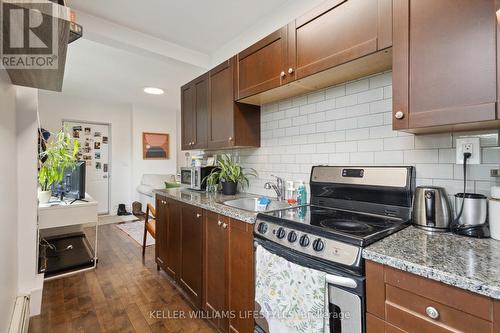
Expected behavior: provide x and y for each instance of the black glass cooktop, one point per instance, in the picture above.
(362, 229)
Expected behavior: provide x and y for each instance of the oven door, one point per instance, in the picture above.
(187, 176)
(345, 292)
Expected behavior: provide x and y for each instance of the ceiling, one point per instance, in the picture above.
(97, 71)
(195, 24)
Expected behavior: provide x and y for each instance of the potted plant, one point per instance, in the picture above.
(229, 174)
(59, 154)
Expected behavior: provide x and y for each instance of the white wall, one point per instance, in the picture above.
(263, 27)
(148, 119)
(30, 282)
(56, 107)
(8, 200)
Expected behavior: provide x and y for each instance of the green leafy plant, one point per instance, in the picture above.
(229, 171)
(60, 154)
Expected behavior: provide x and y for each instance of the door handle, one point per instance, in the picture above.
(341, 281)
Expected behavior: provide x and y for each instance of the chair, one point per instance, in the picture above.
(149, 226)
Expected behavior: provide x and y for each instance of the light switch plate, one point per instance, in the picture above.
(471, 145)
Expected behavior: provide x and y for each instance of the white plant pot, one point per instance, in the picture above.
(44, 196)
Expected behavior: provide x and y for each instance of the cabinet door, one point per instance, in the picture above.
(241, 283)
(173, 237)
(161, 231)
(214, 257)
(262, 66)
(444, 62)
(340, 31)
(187, 116)
(191, 252)
(221, 115)
(200, 112)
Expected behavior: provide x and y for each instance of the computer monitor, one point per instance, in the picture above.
(72, 184)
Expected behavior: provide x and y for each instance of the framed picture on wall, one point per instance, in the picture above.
(155, 146)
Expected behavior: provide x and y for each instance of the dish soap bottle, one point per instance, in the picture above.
(301, 194)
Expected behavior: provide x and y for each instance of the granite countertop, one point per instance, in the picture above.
(467, 263)
(213, 202)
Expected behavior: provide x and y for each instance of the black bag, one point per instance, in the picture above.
(122, 210)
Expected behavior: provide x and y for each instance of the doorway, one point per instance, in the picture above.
(95, 150)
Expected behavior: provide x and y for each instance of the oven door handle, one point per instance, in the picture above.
(341, 281)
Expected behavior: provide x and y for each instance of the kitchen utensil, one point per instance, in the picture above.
(431, 210)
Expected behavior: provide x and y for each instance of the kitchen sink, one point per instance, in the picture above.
(251, 204)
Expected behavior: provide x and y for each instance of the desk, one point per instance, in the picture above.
(56, 214)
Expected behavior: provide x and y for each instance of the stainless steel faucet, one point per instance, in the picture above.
(279, 188)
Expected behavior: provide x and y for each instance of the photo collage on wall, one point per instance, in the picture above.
(93, 149)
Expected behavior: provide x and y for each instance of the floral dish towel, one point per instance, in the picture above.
(292, 298)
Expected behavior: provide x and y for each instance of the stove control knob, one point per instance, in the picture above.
(280, 233)
(292, 237)
(262, 228)
(304, 241)
(318, 245)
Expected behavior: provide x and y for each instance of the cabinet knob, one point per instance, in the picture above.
(399, 115)
(290, 70)
(432, 312)
(282, 74)
(230, 138)
(198, 215)
(224, 225)
(219, 223)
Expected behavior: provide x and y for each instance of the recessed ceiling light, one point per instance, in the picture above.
(153, 91)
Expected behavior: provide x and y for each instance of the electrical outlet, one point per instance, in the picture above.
(468, 145)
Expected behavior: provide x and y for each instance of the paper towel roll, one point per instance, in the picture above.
(494, 210)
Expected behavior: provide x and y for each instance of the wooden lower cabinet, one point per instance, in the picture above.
(191, 269)
(210, 256)
(402, 302)
(215, 268)
(241, 283)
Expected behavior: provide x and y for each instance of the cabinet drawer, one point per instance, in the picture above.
(452, 297)
(404, 308)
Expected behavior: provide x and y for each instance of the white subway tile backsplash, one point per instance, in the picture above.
(433, 141)
(357, 134)
(399, 143)
(389, 157)
(351, 124)
(370, 95)
(335, 91)
(362, 158)
(341, 102)
(381, 80)
(347, 123)
(356, 86)
(371, 120)
(421, 156)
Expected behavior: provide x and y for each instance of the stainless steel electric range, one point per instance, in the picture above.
(351, 207)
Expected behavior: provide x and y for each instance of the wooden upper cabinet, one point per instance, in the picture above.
(221, 119)
(194, 113)
(262, 66)
(444, 65)
(230, 124)
(340, 31)
(187, 116)
(201, 112)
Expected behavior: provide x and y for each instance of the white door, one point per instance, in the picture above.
(95, 142)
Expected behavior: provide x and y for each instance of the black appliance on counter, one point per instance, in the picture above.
(194, 177)
(351, 207)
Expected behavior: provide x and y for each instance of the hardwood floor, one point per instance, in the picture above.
(116, 297)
